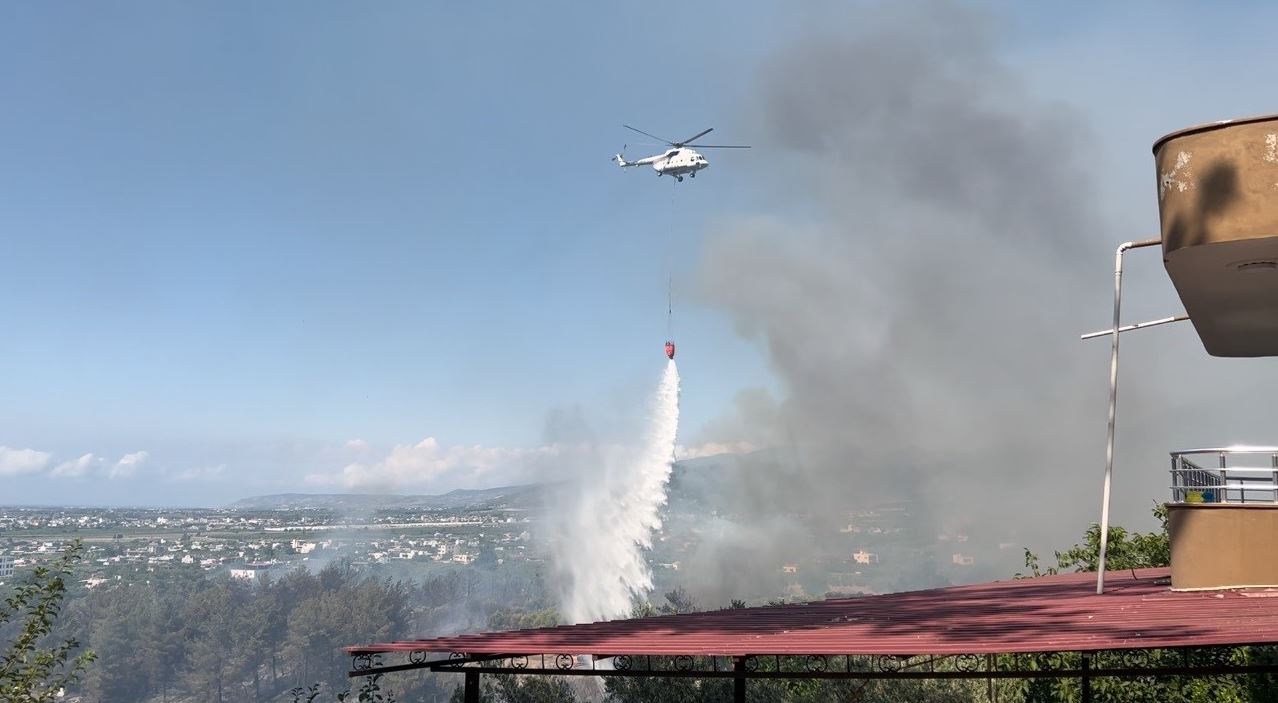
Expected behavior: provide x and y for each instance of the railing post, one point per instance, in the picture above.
(1087, 679)
(472, 687)
(1224, 478)
(738, 680)
(1273, 493)
(1178, 482)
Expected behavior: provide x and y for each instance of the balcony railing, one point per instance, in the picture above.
(1225, 475)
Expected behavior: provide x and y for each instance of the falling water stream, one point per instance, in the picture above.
(612, 514)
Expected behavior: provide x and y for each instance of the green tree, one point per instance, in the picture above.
(31, 668)
(535, 689)
(1125, 550)
(507, 688)
(346, 610)
(119, 615)
(517, 619)
(678, 601)
(257, 624)
(647, 689)
(162, 645)
(212, 650)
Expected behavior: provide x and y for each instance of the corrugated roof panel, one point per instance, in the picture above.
(1050, 613)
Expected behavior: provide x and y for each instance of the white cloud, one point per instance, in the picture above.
(21, 461)
(76, 468)
(14, 462)
(127, 465)
(427, 462)
(357, 445)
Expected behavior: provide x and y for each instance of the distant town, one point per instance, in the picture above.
(250, 544)
(873, 550)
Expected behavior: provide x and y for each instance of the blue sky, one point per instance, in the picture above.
(237, 237)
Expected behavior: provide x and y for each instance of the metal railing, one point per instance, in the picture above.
(1225, 475)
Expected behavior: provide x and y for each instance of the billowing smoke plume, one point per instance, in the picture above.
(602, 522)
(919, 301)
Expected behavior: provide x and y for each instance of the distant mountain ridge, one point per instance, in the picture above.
(691, 481)
(519, 497)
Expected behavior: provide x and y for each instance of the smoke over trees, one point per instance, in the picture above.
(919, 305)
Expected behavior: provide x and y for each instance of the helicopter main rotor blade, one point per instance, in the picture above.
(663, 141)
(699, 135)
(722, 146)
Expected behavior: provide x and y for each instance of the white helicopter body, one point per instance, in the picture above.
(679, 160)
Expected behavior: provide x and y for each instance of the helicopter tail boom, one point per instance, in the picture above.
(621, 161)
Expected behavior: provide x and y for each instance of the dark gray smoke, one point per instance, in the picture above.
(921, 306)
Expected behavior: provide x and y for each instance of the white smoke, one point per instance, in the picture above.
(603, 522)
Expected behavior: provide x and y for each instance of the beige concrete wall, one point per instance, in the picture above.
(1218, 206)
(1223, 545)
(1217, 184)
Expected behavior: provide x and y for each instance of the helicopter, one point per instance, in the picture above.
(677, 161)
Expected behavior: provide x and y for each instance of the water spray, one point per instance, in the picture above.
(608, 522)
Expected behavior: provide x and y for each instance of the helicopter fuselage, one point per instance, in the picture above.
(680, 162)
(676, 163)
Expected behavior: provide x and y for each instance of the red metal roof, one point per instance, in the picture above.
(1050, 613)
